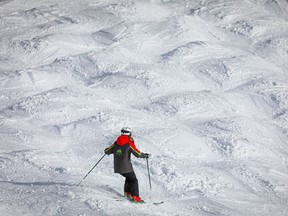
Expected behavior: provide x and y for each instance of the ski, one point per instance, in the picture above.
(158, 203)
(152, 202)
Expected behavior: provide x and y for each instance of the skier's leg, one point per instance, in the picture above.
(131, 183)
(126, 184)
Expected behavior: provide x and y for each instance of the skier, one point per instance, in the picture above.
(122, 149)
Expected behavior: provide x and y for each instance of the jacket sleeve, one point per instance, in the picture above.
(136, 152)
(110, 149)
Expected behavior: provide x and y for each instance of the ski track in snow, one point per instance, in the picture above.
(203, 85)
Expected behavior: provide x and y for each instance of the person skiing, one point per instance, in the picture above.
(122, 149)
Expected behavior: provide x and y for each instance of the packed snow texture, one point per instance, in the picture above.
(203, 85)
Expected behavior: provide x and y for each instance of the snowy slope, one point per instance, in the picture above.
(203, 84)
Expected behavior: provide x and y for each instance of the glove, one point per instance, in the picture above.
(145, 155)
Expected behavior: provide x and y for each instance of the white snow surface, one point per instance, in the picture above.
(203, 84)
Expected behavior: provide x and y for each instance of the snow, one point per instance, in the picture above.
(203, 85)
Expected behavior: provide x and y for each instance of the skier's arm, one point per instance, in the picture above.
(136, 151)
(110, 149)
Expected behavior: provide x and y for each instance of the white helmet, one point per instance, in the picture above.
(126, 131)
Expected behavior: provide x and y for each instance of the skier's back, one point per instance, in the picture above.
(122, 149)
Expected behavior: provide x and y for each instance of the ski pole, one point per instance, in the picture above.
(149, 173)
(91, 170)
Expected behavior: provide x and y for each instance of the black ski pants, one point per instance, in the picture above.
(131, 183)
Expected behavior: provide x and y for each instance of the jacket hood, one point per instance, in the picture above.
(123, 139)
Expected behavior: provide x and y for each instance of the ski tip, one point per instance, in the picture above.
(158, 203)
